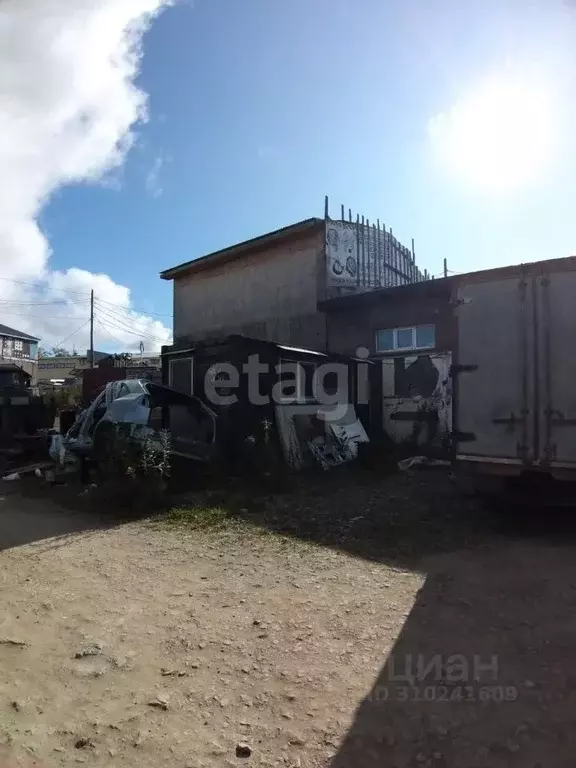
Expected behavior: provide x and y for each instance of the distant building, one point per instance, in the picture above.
(128, 360)
(64, 369)
(118, 367)
(18, 347)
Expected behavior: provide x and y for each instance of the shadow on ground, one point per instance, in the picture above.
(394, 518)
(483, 672)
(33, 512)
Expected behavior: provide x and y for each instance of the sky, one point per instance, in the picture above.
(137, 134)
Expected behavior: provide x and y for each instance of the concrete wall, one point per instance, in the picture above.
(270, 294)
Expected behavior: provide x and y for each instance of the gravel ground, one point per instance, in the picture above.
(147, 645)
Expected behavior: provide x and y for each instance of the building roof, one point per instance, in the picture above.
(12, 368)
(240, 249)
(248, 345)
(445, 285)
(6, 331)
(422, 289)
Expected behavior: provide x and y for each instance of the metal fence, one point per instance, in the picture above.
(363, 256)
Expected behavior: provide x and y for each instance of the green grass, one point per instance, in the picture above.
(201, 516)
(399, 518)
(232, 524)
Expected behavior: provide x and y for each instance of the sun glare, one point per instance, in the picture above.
(499, 137)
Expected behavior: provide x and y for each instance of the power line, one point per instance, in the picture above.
(72, 334)
(135, 309)
(134, 333)
(118, 318)
(119, 324)
(123, 318)
(55, 303)
(39, 317)
(43, 287)
(139, 335)
(125, 314)
(105, 328)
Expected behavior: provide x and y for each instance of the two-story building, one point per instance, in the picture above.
(19, 348)
(283, 286)
(269, 287)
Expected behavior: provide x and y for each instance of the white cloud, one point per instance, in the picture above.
(68, 105)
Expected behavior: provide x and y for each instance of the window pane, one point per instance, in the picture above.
(385, 341)
(425, 336)
(404, 338)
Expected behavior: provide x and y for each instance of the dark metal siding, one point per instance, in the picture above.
(356, 326)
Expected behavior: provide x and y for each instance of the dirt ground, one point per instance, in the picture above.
(148, 645)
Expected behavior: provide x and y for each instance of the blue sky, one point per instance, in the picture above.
(259, 108)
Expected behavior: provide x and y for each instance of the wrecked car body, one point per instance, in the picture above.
(144, 410)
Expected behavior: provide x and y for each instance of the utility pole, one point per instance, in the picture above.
(92, 328)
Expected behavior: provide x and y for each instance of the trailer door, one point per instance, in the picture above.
(556, 312)
(493, 371)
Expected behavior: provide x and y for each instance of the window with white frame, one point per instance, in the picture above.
(406, 339)
(18, 345)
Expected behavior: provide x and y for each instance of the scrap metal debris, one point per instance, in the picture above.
(421, 461)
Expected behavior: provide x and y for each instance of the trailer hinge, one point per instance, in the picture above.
(456, 369)
(522, 451)
(558, 419)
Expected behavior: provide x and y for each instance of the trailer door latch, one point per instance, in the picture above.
(509, 420)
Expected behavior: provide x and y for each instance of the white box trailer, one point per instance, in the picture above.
(514, 370)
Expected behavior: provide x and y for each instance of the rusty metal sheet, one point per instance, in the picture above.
(417, 399)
